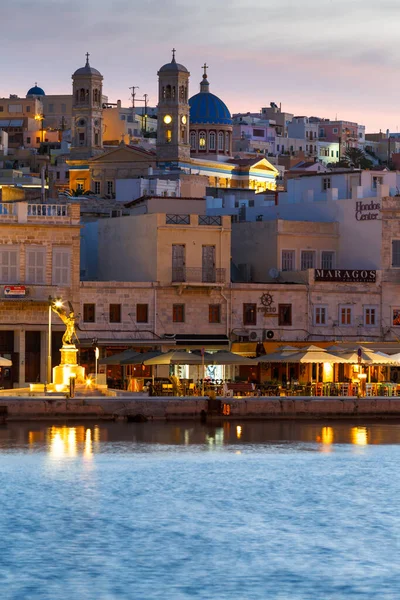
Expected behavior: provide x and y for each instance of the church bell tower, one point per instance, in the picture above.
(87, 112)
(173, 113)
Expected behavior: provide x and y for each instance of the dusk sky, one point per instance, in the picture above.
(317, 57)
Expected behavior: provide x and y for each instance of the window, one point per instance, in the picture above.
(376, 181)
(178, 313)
(35, 264)
(38, 140)
(327, 259)
(9, 265)
(335, 130)
(345, 315)
(214, 313)
(61, 266)
(57, 174)
(66, 174)
(220, 141)
(96, 139)
(396, 253)
(212, 139)
(79, 186)
(115, 313)
(249, 314)
(320, 315)
(81, 137)
(202, 140)
(396, 317)
(63, 108)
(28, 140)
(168, 136)
(1, 108)
(284, 314)
(326, 183)
(193, 140)
(307, 259)
(110, 187)
(89, 313)
(28, 109)
(369, 316)
(51, 108)
(288, 260)
(97, 187)
(142, 313)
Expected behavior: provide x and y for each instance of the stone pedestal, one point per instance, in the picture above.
(67, 369)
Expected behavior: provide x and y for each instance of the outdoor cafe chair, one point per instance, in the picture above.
(344, 389)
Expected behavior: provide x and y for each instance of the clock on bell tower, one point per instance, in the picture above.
(173, 113)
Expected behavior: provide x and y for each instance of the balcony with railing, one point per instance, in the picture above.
(24, 212)
(177, 219)
(198, 275)
(215, 221)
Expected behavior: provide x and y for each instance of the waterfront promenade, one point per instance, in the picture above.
(169, 408)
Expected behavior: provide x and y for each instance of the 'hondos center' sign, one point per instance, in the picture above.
(345, 275)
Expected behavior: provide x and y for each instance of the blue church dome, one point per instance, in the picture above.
(206, 108)
(35, 91)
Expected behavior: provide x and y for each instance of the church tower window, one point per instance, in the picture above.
(193, 140)
(211, 142)
(202, 140)
(168, 92)
(168, 136)
(221, 141)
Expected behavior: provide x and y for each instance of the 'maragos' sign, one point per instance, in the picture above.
(345, 275)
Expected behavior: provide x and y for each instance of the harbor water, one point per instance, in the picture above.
(271, 510)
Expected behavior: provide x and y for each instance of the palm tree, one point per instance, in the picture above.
(357, 159)
(79, 192)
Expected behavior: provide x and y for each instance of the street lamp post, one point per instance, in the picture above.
(56, 302)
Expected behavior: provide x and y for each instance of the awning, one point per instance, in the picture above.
(129, 343)
(206, 341)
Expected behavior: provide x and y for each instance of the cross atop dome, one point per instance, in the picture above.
(87, 59)
(173, 55)
(204, 85)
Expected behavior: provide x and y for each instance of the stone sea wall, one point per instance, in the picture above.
(144, 408)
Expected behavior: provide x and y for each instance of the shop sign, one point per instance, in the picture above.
(366, 211)
(345, 275)
(267, 305)
(14, 291)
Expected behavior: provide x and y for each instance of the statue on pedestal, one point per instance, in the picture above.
(68, 368)
(69, 320)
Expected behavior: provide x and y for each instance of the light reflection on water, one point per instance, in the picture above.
(181, 511)
(71, 440)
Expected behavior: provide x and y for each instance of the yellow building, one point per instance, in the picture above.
(39, 254)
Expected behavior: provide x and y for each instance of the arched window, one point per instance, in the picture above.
(211, 141)
(202, 140)
(168, 92)
(227, 142)
(221, 141)
(173, 92)
(82, 95)
(168, 136)
(193, 140)
(182, 93)
(163, 94)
